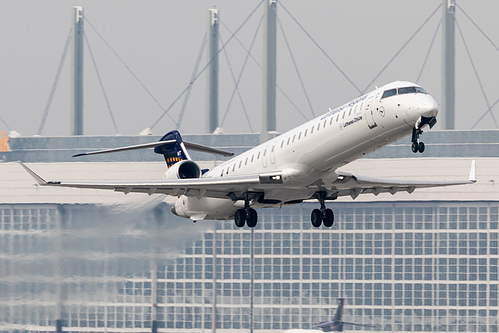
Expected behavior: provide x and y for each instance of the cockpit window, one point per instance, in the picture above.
(421, 91)
(389, 93)
(407, 90)
(404, 90)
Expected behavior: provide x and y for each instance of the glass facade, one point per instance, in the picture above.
(404, 266)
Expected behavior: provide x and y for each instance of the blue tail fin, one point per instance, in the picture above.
(338, 317)
(174, 152)
(336, 325)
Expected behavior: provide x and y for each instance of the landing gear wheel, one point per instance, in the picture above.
(252, 218)
(421, 147)
(415, 147)
(240, 218)
(328, 218)
(316, 218)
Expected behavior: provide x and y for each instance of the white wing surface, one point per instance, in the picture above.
(218, 187)
(347, 184)
(354, 184)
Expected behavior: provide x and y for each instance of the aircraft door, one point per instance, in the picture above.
(272, 155)
(368, 112)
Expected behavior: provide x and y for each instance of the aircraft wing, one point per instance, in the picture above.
(218, 187)
(234, 187)
(354, 184)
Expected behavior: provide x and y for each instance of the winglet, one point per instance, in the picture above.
(38, 179)
(472, 177)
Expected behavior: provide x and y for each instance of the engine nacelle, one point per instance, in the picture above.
(183, 170)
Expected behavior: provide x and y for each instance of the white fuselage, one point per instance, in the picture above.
(313, 151)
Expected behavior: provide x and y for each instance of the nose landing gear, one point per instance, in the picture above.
(417, 131)
(416, 145)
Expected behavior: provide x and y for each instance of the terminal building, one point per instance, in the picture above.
(95, 261)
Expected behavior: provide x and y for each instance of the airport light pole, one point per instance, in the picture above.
(77, 73)
(270, 70)
(448, 64)
(213, 32)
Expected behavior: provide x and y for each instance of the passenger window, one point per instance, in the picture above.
(234, 167)
(294, 136)
(388, 93)
(246, 162)
(355, 110)
(337, 117)
(289, 139)
(252, 158)
(222, 174)
(343, 116)
(240, 163)
(312, 130)
(305, 135)
(258, 156)
(299, 136)
(325, 121)
(318, 126)
(282, 143)
(350, 112)
(331, 122)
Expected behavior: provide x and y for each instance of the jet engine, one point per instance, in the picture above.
(183, 170)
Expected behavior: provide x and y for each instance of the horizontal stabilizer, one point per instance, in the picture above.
(206, 149)
(134, 147)
(188, 145)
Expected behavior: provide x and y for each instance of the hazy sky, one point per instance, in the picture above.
(160, 42)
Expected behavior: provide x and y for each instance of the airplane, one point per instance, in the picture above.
(335, 325)
(301, 164)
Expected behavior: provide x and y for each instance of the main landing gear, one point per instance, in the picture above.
(416, 145)
(323, 215)
(246, 215)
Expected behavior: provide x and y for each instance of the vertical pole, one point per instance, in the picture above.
(62, 217)
(158, 218)
(213, 28)
(214, 296)
(77, 72)
(252, 277)
(448, 64)
(270, 71)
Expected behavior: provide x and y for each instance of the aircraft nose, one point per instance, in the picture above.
(428, 108)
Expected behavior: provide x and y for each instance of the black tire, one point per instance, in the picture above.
(252, 218)
(421, 147)
(328, 218)
(316, 218)
(415, 147)
(240, 218)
